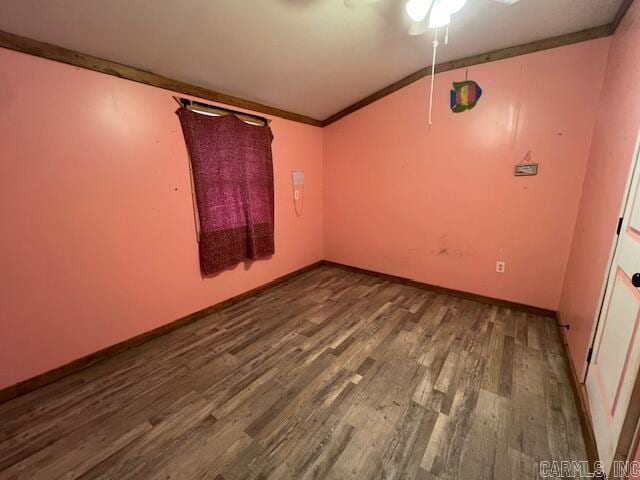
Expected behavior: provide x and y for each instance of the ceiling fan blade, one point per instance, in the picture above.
(359, 3)
(507, 2)
(420, 27)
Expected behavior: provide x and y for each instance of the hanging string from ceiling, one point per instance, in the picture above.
(434, 14)
(433, 77)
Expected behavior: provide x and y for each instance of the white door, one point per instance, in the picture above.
(616, 351)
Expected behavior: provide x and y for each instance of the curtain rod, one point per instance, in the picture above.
(245, 117)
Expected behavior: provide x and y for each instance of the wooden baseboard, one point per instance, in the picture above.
(45, 378)
(446, 291)
(578, 389)
(580, 396)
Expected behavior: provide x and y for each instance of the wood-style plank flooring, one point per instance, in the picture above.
(333, 374)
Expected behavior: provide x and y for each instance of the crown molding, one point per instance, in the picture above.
(71, 57)
(501, 54)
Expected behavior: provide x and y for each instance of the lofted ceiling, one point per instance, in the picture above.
(312, 57)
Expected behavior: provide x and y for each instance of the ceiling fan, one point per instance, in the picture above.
(427, 14)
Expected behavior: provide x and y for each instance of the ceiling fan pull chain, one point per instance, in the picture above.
(446, 35)
(433, 76)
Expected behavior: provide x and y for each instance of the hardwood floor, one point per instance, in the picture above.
(333, 374)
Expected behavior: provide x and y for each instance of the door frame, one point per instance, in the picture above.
(629, 439)
(635, 166)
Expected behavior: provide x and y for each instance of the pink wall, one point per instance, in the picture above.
(610, 158)
(441, 206)
(98, 241)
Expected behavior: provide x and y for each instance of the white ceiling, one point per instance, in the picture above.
(313, 57)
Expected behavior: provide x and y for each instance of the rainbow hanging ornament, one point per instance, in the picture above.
(465, 95)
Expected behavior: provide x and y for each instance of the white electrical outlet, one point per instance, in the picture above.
(296, 195)
(500, 265)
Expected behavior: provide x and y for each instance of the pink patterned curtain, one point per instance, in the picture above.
(233, 177)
